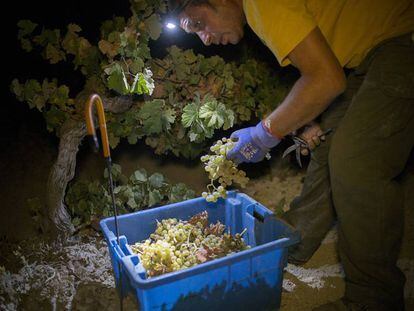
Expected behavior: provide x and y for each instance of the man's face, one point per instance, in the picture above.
(219, 22)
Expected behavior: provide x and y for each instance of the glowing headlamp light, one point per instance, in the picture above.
(175, 7)
(170, 25)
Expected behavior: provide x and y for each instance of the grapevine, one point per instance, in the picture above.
(178, 244)
(188, 96)
(221, 171)
(88, 201)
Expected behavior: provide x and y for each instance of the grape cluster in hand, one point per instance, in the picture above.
(221, 171)
(178, 244)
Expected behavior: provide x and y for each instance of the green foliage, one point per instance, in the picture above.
(88, 201)
(209, 94)
(156, 117)
(85, 55)
(188, 96)
(47, 97)
(203, 117)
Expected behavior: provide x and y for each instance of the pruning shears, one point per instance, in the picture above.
(298, 144)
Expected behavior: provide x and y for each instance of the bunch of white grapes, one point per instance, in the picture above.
(177, 244)
(221, 171)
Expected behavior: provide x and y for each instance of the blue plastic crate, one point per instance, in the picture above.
(248, 280)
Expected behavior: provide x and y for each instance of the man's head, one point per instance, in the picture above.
(214, 21)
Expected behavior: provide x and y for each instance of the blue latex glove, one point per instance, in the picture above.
(252, 144)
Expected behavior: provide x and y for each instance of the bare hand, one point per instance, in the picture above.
(313, 135)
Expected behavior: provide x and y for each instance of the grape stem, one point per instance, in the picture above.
(243, 232)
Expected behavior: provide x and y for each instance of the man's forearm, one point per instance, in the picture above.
(308, 98)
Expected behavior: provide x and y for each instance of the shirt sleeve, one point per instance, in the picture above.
(281, 24)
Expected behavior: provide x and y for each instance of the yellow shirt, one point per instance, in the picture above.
(351, 27)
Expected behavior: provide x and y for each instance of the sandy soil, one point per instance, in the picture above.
(79, 263)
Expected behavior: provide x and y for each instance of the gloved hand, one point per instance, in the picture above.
(252, 144)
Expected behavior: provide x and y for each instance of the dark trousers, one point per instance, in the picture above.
(352, 176)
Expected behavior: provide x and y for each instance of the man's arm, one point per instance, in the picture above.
(322, 79)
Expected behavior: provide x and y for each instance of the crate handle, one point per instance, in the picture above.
(118, 251)
(131, 264)
(256, 213)
(258, 216)
(118, 247)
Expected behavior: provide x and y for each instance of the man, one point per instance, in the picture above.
(352, 175)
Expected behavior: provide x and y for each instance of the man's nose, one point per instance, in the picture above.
(205, 37)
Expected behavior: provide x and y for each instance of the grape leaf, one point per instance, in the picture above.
(189, 56)
(108, 48)
(131, 203)
(154, 197)
(60, 96)
(55, 118)
(132, 138)
(190, 114)
(17, 89)
(136, 65)
(216, 114)
(116, 171)
(26, 45)
(139, 86)
(139, 176)
(180, 192)
(26, 28)
(48, 36)
(113, 140)
(79, 47)
(156, 180)
(117, 80)
(155, 118)
(153, 26)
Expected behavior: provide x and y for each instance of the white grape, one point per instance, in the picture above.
(221, 171)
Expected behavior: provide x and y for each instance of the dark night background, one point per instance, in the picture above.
(22, 65)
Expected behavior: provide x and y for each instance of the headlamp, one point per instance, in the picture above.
(175, 7)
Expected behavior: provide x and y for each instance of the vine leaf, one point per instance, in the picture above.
(90, 200)
(131, 203)
(154, 197)
(53, 54)
(143, 83)
(26, 27)
(153, 26)
(156, 180)
(116, 171)
(108, 48)
(203, 117)
(139, 176)
(180, 192)
(216, 114)
(117, 80)
(54, 118)
(190, 115)
(155, 118)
